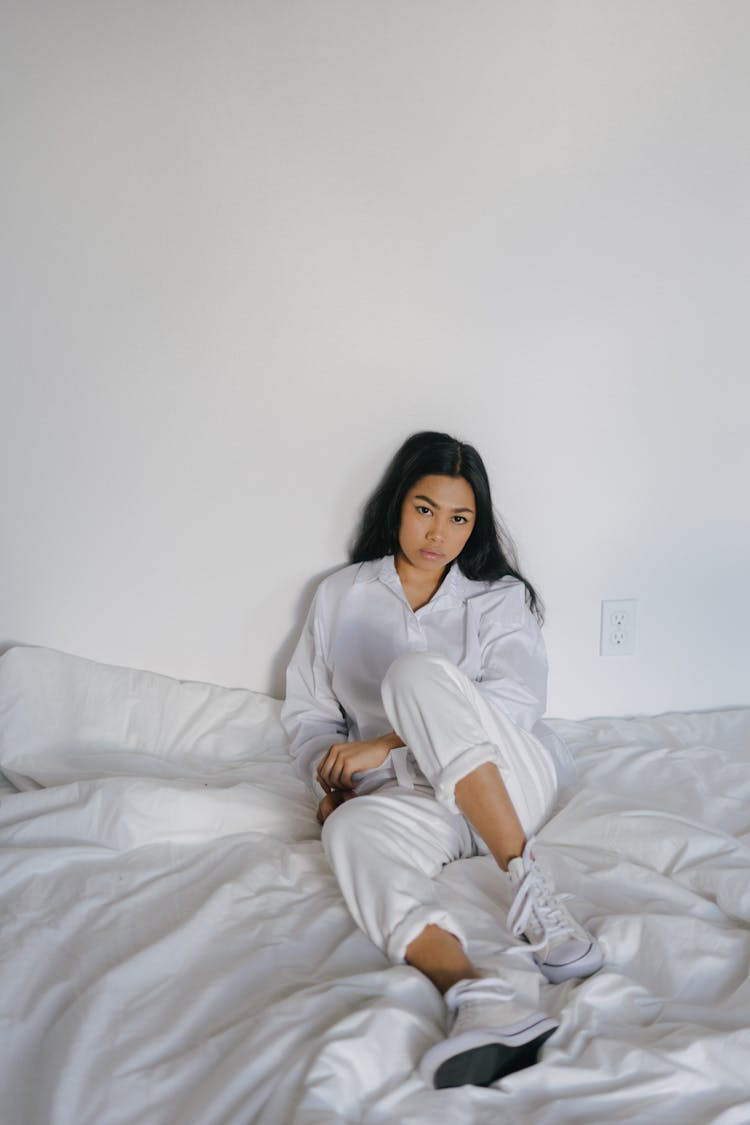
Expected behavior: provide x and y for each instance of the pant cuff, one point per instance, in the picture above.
(412, 925)
(467, 761)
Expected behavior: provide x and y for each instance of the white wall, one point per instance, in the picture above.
(249, 247)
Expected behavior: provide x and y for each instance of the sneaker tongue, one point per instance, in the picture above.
(477, 988)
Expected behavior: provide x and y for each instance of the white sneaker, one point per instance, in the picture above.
(492, 1035)
(562, 948)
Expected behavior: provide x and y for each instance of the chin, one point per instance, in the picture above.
(433, 564)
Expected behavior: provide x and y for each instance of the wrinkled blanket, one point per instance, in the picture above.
(174, 948)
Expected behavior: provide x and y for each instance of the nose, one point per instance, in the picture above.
(436, 533)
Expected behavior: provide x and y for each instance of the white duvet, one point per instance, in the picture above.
(175, 950)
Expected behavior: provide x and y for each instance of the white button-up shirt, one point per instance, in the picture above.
(361, 620)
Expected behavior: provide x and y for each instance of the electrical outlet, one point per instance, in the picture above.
(618, 627)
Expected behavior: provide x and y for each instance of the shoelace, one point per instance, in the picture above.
(535, 897)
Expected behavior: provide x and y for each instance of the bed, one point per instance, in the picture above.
(175, 949)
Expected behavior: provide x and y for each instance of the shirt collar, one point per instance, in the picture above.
(450, 593)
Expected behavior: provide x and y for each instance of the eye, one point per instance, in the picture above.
(460, 519)
(423, 510)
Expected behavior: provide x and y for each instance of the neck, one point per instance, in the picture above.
(419, 586)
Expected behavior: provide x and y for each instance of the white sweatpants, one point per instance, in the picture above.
(387, 846)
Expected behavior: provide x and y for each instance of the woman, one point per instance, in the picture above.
(417, 688)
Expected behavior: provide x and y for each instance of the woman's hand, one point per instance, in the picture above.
(331, 802)
(346, 758)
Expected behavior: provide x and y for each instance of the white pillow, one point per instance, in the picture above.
(63, 718)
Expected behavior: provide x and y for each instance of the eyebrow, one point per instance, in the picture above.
(434, 504)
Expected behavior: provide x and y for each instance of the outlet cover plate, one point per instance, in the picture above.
(618, 627)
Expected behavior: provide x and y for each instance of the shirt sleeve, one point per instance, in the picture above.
(513, 655)
(311, 714)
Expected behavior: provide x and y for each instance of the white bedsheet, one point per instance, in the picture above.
(174, 948)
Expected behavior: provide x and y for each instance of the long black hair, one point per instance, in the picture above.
(489, 553)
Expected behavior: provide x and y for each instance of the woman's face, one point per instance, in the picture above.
(437, 518)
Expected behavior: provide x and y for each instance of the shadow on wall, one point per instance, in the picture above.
(283, 654)
(281, 657)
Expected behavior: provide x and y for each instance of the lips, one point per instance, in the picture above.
(430, 554)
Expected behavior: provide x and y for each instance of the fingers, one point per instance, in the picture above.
(322, 771)
(332, 769)
(344, 759)
(325, 808)
(323, 811)
(324, 778)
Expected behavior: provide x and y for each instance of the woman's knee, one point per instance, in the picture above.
(412, 670)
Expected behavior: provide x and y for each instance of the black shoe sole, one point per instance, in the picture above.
(481, 1066)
